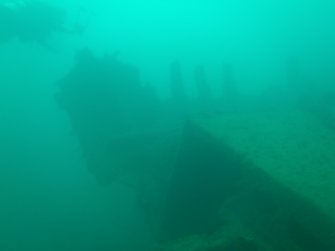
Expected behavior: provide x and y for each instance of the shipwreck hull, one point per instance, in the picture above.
(217, 185)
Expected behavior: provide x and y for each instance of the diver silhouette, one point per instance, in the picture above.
(35, 22)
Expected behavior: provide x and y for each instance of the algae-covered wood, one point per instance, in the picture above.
(293, 147)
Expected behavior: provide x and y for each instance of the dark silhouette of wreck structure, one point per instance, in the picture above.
(189, 182)
(117, 119)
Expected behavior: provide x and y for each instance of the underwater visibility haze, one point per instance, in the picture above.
(167, 125)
